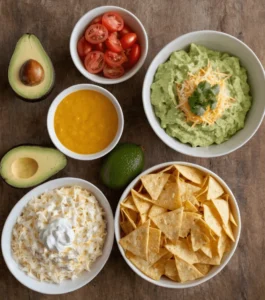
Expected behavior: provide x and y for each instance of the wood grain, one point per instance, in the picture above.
(243, 170)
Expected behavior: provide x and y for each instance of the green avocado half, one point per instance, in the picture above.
(30, 73)
(27, 166)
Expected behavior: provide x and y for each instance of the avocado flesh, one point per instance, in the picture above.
(29, 47)
(27, 166)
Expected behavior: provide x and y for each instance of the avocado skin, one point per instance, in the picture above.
(48, 91)
(30, 145)
(122, 165)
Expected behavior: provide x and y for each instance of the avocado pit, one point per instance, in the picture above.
(31, 73)
(24, 167)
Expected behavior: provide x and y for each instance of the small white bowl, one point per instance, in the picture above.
(224, 43)
(131, 20)
(164, 281)
(51, 114)
(67, 285)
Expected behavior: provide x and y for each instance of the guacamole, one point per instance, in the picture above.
(165, 100)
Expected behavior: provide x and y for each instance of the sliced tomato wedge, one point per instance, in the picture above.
(114, 59)
(94, 62)
(128, 40)
(96, 33)
(113, 43)
(126, 29)
(112, 21)
(134, 55)
(83, 47)
(97, 20)
(113, 72)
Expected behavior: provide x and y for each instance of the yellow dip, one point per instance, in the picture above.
(86, 122)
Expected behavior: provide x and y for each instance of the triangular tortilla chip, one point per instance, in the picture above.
(128, 203)
(169, 197)
(181, 249)
(154, 240)
(204, 259)
(228, 230)
(154, 183)
(222, 244)
(187, 192)
(153, 257)
(215, 190)
(137, 241)
(167, 169)
(200, 234)
(222, 206)
(143, 219)
(207, 249)
(188, 221)
(126, 226)
(171, 270)
(188, 206)
(190, 173)
(156, 210)
(232, 219)
(170, 223)
(203, 268)
(212, 219)
(141, 205)
(186, 271)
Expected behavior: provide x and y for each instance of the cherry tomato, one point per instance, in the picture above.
(96, 33)
(83, 47)
(134, 55)
(113, 72)
(94, 62)
(97, 20)
(126, 29)
(112, 21)
(128, 40)
(113, 43)
(100, 47)
(114, 59)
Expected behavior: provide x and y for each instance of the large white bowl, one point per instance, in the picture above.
(131, 20)
(224, 43)
(51, 114)
(164, 281)
(68, 285)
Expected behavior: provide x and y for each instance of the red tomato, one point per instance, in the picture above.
(113, 72)
(96, 33)
(134, 55)
(83, 47)
(126, 29)
(113, 43)
(100, 47)
(114, 59)
(94, 62)
(112, 21)
(128, 40)
(97, 20)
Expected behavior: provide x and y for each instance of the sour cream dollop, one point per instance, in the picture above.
(58, 235)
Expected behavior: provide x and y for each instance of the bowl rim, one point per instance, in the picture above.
(226, 259)
(60, 97)
(17, 209)
(148, 114)
(101, 79)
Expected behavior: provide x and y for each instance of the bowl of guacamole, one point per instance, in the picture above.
(203, 94)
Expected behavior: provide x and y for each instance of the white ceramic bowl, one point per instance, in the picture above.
(224, 43)
(131, 20)
(68, 285)
(164, 281)
(51, 114)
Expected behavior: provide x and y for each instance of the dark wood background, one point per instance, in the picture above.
(20, 122)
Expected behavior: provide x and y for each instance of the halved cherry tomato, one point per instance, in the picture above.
(94, 62)
(133, 54)
(112, 21)
(97, 20)
(113, 72)
(114, 59)
(100, 47)
(113, 43)
(126, 29)
(96, 33)
(128, 40)
(83, 47)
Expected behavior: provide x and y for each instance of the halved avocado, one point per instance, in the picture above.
(27, 166)
(30, 74)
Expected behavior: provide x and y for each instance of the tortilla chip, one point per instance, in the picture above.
(139, 190)
(130, 214)
(169, 197)
(181, 250)
(153, 257)
(207, 249)
(205, 182)
(226, 197)
(154, 272)
(222, 244)
(128, 203)
(129, 219)
(137, 241)
(156, 210)
(200, 234)
(188, 221)
(154, 183)
(215, 189)
(212, 220)
(204, 259)
(171, 270)
(141, 205)
(186, 271)
(222, 207)
(187, 192)
(203, 268)
(190, 173)
(154, 240)
(232, 219)
(163, 240)
(126, 226)
(228, 230)
(143, 219)
(170, 223)
(188, 206)
(167, 169)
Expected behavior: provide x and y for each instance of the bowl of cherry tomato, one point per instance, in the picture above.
(108, 45)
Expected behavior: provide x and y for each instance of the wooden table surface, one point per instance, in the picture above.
(243, 170)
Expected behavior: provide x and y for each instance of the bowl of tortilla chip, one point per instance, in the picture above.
(177, 225)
